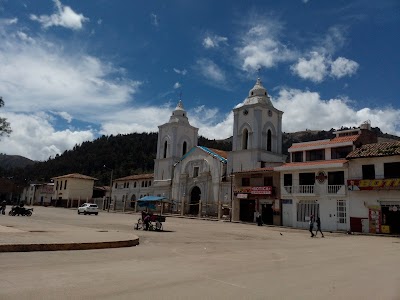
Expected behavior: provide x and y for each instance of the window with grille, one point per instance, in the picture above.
(307, 208)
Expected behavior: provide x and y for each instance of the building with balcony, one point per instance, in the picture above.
(374, 188)
(314, 181)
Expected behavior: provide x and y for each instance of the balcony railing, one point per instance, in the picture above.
(336, 189)
(300, 189)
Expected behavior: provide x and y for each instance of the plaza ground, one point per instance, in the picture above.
(198, 259)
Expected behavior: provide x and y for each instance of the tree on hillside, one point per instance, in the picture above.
(5, 128)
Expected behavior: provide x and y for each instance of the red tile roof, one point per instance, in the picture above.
(136, 177)
(75, 175)
(336, 140)
(222, 153)
(377, 149)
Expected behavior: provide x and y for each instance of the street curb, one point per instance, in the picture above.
(68, 246)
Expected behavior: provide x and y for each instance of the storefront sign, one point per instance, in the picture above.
(261, 190)
(241, 196)
(373, 184)
(243, 190)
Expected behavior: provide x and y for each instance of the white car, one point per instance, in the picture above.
(88, 209)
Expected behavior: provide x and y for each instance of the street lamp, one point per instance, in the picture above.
(111, 178)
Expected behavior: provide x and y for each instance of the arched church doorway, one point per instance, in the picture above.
(133, 201)
(194, 201)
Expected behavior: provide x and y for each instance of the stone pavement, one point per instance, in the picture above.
(23, 234)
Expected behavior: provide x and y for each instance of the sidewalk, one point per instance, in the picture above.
(18, 236)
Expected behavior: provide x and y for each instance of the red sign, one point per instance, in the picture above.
(373, 184)
(261, 190)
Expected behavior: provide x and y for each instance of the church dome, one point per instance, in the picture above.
(179, 114)
(258, 94)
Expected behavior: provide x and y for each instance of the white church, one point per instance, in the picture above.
(201, 181)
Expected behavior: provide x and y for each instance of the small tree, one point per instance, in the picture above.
(5, 128)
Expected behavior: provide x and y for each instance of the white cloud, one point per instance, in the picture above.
(260, 47)
(318, 63)
(154, 19)
(318, 66)
(24, 37)
(177, 85)
(42, 70)
(64, 16)
(66, 116)
(99, 21)
(39, 79)
(315, 68)
(34, 137)
(8, 21)
(181, 72)
(214, 41)
(343, 67)
(211, 72)
(332, 113)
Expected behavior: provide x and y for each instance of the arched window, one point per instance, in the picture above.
(165, 149)
(184, 148)
(269, 140)
(245, 141)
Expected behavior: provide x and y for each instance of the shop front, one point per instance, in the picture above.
(258, 199)
(381, 199)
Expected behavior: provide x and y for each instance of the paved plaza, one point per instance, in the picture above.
(197, 259)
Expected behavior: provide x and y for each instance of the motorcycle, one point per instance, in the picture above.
(17, 210)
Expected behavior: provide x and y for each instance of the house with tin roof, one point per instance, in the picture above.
(374, 188)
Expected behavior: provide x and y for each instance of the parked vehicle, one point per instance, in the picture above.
(88, 209)
(20, 211)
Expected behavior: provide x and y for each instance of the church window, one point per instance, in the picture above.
(184, 148)
(269, 140)
(65, 185)
(245, 140)
(165, 149)
(252, 93)
(195, 172)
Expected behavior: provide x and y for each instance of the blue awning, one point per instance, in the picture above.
(153, 199)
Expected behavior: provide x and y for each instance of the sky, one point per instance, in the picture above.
(72, 71)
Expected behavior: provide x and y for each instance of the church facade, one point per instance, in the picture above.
(201, 181)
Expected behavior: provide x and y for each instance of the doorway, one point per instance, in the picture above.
(267, 214)
(194, 201)
(247, 209)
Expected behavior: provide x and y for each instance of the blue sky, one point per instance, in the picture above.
(71, 71)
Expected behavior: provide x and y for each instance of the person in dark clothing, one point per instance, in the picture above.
(146, 221)
(258, 218)
(311, 223)
(319, 227)
(3, 207)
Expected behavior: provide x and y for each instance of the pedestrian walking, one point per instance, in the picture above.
(319, 227)
(311, 223)
(3, 207)
(258, 218)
